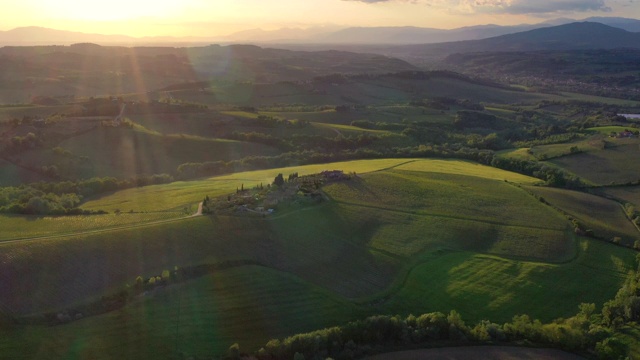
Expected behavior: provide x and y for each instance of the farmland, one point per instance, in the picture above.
(109, 152)
(611, 165)
(429, 248)
(605, 217)
(17, 227)
(453, 192)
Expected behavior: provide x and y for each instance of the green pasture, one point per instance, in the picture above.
(189, 124)
(627, 193)
(125, 153)
(614, 164)
(348, 129)
(504, 113)
(550, 151)
(605, 217)
(467, 168)
(322, 244)
(356, 230)
(606, 130)
(249, 305)
(181, 193)
(416, 212)
(246, 305)
(241, 114)
(403, 236)
(32, 226)
(520, 154)
(487, 287)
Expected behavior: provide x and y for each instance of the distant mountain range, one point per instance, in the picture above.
(573, 36)
(418, 35)
(317, 35)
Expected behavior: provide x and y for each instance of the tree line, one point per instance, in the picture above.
(63, 198)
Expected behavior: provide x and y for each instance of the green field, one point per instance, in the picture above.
(614, 164)
(190, 124)
(249, 305)
(182, 193)
(487, 287)
(403, 236)
(605, 217)
(627, 193)
(125, 153)
(201, 317)
(606, 130)
(32, 226)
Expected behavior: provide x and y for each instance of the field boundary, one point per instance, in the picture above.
(97, 231)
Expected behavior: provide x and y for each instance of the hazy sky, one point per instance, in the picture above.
(218, 17)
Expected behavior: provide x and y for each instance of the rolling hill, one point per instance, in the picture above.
(573, 36)
(91, 70)
(310, 267)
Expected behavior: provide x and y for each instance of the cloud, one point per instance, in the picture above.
(508, 6)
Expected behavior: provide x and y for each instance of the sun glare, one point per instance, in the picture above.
(113, 9)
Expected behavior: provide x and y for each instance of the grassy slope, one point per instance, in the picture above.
(213, 312)
(626, 193)
(348, 247)
(248, 305)
(125, 153)
(613, 164)
(442, 210)
(605, 217)
(180, 193)
(17, 226)
(487, 287)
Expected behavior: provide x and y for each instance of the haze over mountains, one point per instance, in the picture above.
(35, 35)
(573, 36)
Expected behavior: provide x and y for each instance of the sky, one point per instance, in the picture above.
(209, 18)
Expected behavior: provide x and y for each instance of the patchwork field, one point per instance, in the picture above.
(605, 217)
(626, 193)
(488, 287)
(615, 164)
(124, 153)
(403, 236)
(201, 317)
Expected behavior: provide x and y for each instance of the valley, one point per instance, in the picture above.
(241, 201)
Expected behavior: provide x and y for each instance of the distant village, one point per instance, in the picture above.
(264, 200)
